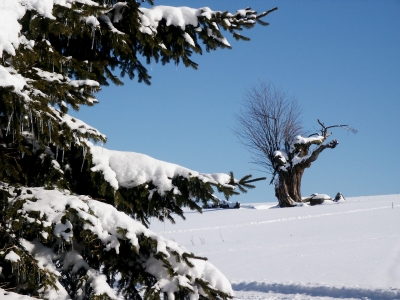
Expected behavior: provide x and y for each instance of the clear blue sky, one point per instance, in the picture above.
(341, 59)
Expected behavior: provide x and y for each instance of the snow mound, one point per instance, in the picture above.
(321, 196)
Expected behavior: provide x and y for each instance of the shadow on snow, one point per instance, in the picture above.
(315, 290)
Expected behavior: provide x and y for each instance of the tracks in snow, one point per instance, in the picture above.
(292, 290)
(275, 220)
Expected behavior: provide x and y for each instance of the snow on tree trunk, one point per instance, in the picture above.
(291, 162)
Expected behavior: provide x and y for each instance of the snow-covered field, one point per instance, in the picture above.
(345, 250)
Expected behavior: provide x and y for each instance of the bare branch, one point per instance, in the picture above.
(316, 133)
(269, 125)
(266, 13)
(269, 121)
(324, 130)
(346, 127)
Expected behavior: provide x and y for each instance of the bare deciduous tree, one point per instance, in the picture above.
(269, 120)
(270, 126)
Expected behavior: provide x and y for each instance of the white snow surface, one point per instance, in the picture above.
(177, 16)
(130, 169)
(4, 295)
(12, 256)
(345, 250)
(313, 139)
(322, 196)
(9, 78)
(283, 157)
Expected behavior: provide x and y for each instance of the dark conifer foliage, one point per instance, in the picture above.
(55, 244)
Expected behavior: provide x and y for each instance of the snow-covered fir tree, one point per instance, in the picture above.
(73, 215)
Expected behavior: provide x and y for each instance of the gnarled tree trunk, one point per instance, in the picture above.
(288, 187)
(270, 127)
(291, 163)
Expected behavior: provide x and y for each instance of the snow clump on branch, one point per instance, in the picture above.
(130, 169)
(59, 212)
(58, 244)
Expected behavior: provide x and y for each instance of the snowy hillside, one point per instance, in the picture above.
(348, 250)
